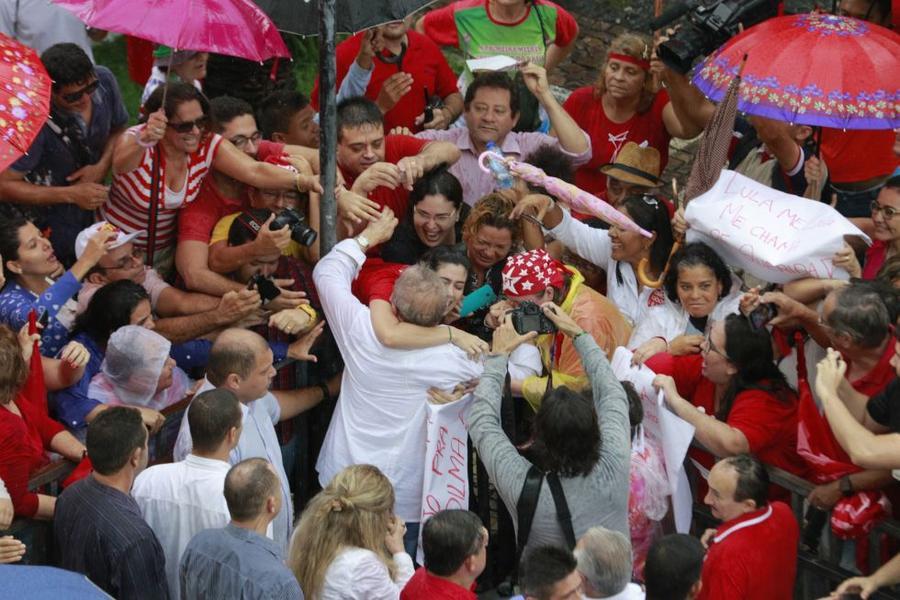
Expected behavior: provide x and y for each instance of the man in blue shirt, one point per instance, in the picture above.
(239, 561)
(59, 182)
(98, 526)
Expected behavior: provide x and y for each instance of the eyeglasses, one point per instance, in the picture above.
(88, 89)
(442, 219)
(708, 345)
(188, 126)
(241, 141)
(888, 212)
(125, 262)
(272, 195)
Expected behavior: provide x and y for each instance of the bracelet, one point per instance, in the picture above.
(665, 341)
(578, 335)
(450, 332)
(325, 395)
(137, 138)
(308, 310)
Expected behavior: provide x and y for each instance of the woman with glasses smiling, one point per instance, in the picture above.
(175, 143)
(886, 228)
(734, 395)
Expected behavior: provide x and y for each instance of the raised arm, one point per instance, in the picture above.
(237, 165)
(571, 138)
(505, 466)
(393, 333)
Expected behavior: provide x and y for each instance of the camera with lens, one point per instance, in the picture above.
(528, 316)
(707, 26)
(301, 232)
(266, 287)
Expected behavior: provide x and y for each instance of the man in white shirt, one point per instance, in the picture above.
(178, 500)
(241, 361)
(604, 561)
(380, 414)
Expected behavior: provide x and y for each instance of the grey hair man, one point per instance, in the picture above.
(380, 416)
(604, 560)
(239, 561)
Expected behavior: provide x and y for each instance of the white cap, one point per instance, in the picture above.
(121, 239)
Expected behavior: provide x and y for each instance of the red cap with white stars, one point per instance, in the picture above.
(532, 272)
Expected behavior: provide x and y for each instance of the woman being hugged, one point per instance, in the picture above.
(349, 543)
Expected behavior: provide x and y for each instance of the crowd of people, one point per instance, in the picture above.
(246, 413)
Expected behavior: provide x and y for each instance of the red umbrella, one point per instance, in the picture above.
(233, 27)
(24, 99)
(812, 69)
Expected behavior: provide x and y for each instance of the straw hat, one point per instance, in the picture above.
(636, 164)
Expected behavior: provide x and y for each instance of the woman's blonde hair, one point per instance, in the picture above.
(636, 46)
(13, 368)
(354, 510)
(492, 210)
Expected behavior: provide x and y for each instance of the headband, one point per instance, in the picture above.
(638, 62)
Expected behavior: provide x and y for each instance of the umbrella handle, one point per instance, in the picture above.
(644, 277)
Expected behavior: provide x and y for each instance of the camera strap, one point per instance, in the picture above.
(526, 506)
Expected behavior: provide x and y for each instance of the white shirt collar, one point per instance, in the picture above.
(744, 524)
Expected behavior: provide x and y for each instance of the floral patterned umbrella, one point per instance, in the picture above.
(812, 69)
(24, 99)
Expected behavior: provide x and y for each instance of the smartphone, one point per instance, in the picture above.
(476, 300)
(762, 314)
(43, 318)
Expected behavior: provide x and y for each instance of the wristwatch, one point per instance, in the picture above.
(363, 242)
(846, 486)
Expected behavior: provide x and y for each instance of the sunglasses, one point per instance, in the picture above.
(188, 126)
(88, 89)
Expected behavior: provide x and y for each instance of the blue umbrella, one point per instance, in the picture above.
(47, 583)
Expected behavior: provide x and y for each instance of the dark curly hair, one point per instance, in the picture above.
(750, 351)
(566, 434)
(67, 64)
(693, 255)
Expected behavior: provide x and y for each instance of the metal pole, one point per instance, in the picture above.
(327, 126)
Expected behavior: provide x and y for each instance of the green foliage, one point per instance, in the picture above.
(111, 54)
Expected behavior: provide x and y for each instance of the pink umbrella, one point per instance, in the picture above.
(233, 27)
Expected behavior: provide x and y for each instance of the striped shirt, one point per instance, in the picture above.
(100, 533)
(128, 207)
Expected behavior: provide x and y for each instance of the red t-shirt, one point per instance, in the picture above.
(423, 60)
(376, 280)
(607, 137)
(425, 586)
(875, 257)
(769, 424)
(395, 148)
(877, 379)
(753, 557)
(858, 155)
(197, 220)
(22, 443)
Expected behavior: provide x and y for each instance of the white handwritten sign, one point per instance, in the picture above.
(446, 482)
(772, 235)
(662, 429)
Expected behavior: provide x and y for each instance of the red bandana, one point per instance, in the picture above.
(638, 62)
(532, 272)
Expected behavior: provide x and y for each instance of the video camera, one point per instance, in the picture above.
(301, 233)
(708, 26)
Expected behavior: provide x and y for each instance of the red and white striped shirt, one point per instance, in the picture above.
(128, 207)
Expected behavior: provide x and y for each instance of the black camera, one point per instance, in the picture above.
(301, 233)
(528, 316)
(431, 103)
(265, 286)
(708, 26)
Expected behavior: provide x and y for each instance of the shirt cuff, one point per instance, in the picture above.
(351, 248)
